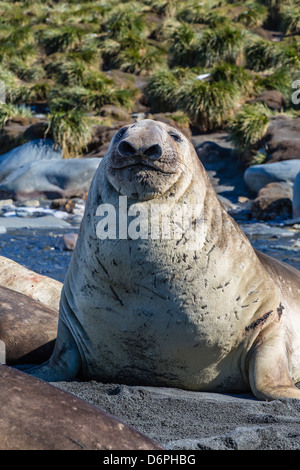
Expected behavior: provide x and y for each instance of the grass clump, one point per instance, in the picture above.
(71, 130)
(11, 111)
(161, 91)
(248, 127)
(208, 104)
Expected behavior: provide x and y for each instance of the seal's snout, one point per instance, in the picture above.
(127, 149)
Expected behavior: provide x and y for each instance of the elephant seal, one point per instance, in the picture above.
(27, 328)
(204, 311)
(27, 282)
(38, 416)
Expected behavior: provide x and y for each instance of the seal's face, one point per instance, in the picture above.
(145, 159)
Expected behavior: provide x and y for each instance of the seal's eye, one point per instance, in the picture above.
(175, 137)
(121, 133)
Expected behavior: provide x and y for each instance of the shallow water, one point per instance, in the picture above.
(37, 250)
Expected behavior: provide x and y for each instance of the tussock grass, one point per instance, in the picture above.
(59, 52)
(10, 111)
(71, 130)
(209, 104)
(248, 127)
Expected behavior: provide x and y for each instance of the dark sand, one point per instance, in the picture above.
(179, 419)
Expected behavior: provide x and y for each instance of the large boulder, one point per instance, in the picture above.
(258, 176)
(50, 179)
(33, 151)
(273, 200)
(296, 197)
(282, 139)
(273, 99)
(13, 133)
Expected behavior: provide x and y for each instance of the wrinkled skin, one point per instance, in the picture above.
(217, 316)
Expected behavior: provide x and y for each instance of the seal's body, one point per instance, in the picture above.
(38, 416)
(213, 315)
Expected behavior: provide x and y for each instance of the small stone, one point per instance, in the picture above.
(67, 242)
(243, 199)
(30, 203)
(75, 219)
(6, 202)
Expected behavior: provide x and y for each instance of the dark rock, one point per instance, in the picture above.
(273, 99)
(273, 200)
(114, 112)
(101, 138)
(172, 120)
(222, 164)
(282, 139)
(37, 130)
(13, 133)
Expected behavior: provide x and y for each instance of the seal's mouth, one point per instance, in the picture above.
(142, 166)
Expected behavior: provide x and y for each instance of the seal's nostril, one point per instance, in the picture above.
(154, 152)
(126, 150)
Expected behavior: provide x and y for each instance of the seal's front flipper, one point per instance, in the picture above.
(269, 366)
(63, 365)
(24, 367)
(51, 373)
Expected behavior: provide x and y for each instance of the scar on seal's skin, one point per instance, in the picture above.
(258, 321)
(280, 310)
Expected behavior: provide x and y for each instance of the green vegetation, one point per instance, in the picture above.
(248, 127)
(202, 60)
(71, 130)
(11, 111)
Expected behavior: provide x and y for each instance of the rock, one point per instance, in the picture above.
(243, 199)
(114, 112)
(296, 197)
(221, 163)
(37, 130)
(260, 230)
(45, 178)
(172, 120)
(58, 203)
(75, 205)
(273, 200)
(49, 222)
(102, 136)
(6, 202)
(258, 176)
(30, 203)
(67, 242)
(273, 99)
(13, 133)
(186, 420)
(33, 151)
(282, 139)
(20, 279)
(75, 219)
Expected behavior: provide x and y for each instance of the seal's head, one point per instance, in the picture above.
(146, 159)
